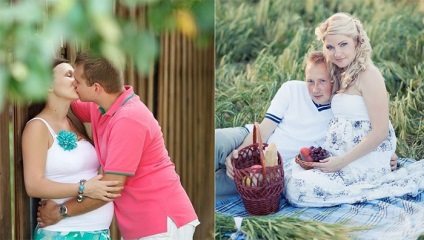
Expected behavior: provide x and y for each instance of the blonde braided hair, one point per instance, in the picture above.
(345, 24)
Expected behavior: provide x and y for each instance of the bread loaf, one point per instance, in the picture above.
(271, 157)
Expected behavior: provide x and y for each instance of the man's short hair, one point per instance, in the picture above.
(98, 69)
(315, 57)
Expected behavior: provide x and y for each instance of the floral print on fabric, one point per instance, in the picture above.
(346, 134)
(41, 234)
(357, 182)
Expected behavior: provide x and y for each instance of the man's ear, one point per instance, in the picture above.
(98, 88)
(50, 89)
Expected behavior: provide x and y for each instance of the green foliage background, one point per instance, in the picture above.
(32, 31)
(262, 44)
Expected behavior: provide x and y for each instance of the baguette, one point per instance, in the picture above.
(271, 157)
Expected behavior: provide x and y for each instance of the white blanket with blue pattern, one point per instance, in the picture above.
(389, 218)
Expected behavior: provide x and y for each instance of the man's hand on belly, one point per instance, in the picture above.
(48, 213)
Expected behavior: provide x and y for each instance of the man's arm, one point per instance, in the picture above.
(48, 211)
(81, 110)
(266, 128)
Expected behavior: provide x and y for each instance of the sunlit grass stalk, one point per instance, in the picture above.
(282, 227)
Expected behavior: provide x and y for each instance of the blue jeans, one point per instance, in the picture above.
(226, 140)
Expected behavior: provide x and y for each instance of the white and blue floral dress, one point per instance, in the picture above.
(367, 178)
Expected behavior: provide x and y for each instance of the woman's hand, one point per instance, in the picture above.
(331, 164)
(393, 162)
(102, 190)
(228, 164)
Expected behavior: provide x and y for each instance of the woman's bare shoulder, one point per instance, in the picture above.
(370, 71)
(371, 79)
(35, 128)
(370, 75)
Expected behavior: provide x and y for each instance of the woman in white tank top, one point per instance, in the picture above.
(60, 162)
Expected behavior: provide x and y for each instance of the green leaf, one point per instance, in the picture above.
(204, 14)
(161, 16)
(143, 48)
(21, 12)
(107, 28)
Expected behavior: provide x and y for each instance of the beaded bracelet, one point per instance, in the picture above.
(81, 190)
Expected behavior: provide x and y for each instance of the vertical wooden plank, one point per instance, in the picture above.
(208, 198)
(130, 74)
(199, 136)
(210, 63)
(5, 198)
(163, 85)
(203, 178)
(170, 89)
(130, 70)
(144, 82)
(179, 138)
(178, 100)
(22, 207)
(198, 118)
(185, 149)
(150, 80)
(6, 216)
(141, 16)
(192, 113)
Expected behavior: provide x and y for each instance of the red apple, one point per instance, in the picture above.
(305, 153)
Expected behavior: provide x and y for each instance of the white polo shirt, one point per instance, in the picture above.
(301, 122)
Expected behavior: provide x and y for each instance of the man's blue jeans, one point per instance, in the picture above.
(226, 140)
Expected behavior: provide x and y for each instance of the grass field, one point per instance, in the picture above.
(261, 44)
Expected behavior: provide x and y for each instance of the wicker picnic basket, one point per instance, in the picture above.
(304, 164)
(259, 187)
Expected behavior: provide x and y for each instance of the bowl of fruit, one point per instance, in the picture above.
(309, 155)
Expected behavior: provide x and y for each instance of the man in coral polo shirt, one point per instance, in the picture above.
(130, 147)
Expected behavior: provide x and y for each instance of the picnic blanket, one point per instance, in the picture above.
(389, 218)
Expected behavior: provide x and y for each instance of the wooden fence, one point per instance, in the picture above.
(179, 90)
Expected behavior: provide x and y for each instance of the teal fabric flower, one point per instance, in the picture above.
(67, 140)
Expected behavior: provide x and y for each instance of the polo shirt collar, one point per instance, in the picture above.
(121, 100)
(321, 107)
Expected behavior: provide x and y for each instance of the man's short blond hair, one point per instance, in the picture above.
(315, 57)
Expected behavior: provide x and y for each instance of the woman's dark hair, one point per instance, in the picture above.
(35, 108)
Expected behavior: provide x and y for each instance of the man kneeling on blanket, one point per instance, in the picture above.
(297, 117)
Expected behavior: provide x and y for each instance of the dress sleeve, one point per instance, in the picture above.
(279, 104)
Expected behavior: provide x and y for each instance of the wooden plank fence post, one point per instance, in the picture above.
(22, 206)
(5, 187)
